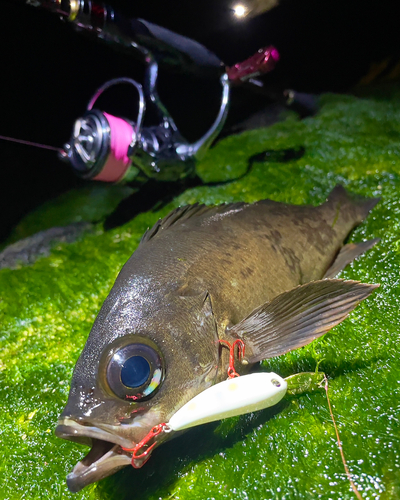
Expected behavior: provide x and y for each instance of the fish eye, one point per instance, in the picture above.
(135, 371)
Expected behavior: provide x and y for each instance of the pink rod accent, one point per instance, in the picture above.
(275, 54)
(261, 62)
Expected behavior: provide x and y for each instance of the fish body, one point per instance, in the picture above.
(200, 275)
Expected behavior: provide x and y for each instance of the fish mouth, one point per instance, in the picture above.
(105, 457)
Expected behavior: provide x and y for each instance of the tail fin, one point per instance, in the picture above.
(357, 207)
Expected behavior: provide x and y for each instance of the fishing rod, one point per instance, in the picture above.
(111, 148)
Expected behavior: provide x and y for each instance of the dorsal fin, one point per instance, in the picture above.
(181, 214)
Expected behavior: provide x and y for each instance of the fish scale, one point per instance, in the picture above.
(280, 246)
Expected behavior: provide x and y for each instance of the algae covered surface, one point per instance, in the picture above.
(287, 452)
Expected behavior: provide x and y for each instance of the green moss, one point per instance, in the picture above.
(289, 451)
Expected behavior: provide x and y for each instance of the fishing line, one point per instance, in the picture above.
(29, 143)
(353, 486)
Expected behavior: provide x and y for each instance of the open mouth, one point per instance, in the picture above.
(105, 457)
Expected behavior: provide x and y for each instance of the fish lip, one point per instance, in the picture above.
(102, 459)
(74, 431)
(82, 475)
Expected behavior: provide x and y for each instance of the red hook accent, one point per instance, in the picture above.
(232, 373)
(136, 455)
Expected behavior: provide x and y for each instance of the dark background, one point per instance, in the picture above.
(49, 72)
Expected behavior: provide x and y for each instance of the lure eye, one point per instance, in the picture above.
(135, 372)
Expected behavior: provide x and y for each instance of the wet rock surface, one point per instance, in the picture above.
(28, 250)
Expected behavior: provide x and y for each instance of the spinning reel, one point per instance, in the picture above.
(109, 148)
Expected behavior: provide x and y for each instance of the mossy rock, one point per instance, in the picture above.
(90, 203)
(288, 452)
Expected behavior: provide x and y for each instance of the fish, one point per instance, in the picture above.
(262, 273)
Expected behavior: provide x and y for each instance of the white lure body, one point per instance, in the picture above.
(232, 397)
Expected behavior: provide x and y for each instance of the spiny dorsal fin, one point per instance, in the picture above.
(182, 214)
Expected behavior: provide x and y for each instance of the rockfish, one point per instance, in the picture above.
(262, 273)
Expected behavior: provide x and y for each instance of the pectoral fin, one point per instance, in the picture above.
(347, 254)
(297, 317)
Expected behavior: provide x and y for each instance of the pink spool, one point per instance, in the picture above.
(117, 162)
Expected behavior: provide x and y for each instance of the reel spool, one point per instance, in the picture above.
(104, 147)
(98, 148)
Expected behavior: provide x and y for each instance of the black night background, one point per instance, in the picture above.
(49, 72)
